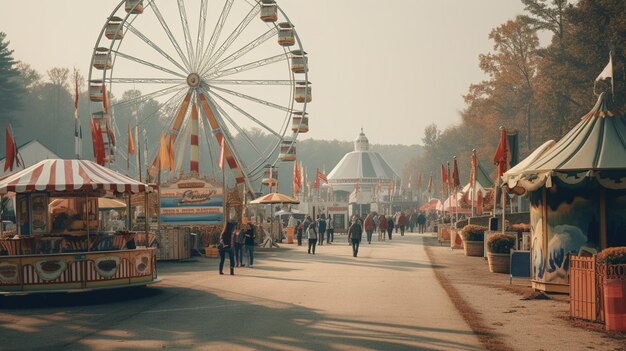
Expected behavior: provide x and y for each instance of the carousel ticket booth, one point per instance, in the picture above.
(59, 244)
(577, 194)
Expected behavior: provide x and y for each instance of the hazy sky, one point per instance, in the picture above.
(391, 67)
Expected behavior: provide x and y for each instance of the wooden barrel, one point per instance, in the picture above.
(614, 296)
(498, 262)
(474, 248)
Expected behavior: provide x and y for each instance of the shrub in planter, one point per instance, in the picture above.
(520, 227)
(501, 243)
(614, 287)
(473, 236)
(473, 232)
(499, 251)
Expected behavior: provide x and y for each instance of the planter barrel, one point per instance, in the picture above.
(614, 298)
(474, 248)
(499, 262)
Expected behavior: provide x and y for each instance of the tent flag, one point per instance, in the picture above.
(607, 72)
(500, 157)
(131, 143)
(430, 184)
(12, 158)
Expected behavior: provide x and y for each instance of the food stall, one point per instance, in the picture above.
(58, 243)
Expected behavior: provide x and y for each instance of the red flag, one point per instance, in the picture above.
(98, 143)
(105, 99)
(170, 152)
(297, 181)
(430, 184)
(222, 156)
(321, 176)
(473, 170)
(500, 157)
(456, 182)
(450, 179)
(419, 183)
(9, 151)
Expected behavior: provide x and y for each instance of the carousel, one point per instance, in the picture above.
(59, 244)
(577, 194)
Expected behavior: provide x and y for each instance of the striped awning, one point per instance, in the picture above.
(56, 175)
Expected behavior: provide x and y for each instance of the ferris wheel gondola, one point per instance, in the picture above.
(249, 74)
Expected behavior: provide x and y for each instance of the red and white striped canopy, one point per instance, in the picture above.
(69, 175)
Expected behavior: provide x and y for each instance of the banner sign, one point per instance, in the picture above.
(191, 201)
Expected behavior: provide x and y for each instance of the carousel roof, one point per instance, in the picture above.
(360, 164)
(69, 175)
(594, 148)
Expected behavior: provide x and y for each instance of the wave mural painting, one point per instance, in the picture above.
(191, 201)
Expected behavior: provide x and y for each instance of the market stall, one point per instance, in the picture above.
(59, 243)
(577, 194)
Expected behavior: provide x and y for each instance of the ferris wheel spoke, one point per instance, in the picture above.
(244, 50)
(167, 30)
(231, 38)
(240, 130)
(250, 82)
(249, 66)
(246, 114)
(201, 31)
(153, 45)
(146, 80)
(216, 34)
(252, 98)
(149, 96)
(146, 63)
(185, 22)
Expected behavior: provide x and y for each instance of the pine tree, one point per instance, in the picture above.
(11, 91)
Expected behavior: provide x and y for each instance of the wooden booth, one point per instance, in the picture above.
(59, 243)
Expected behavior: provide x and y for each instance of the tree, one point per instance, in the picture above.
(11, 91)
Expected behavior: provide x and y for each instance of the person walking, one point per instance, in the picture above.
(250, 235)
(240, 239)
(311, 234)
(355, 233)
(299, 230)
(225, 246)
(390, 227)
(321, 228)
(330, 230)
(370, 226)
(382, 227)
(412, 223)
(421, 223)
(401, 222)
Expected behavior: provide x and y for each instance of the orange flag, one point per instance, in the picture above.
(105, 99)
(296, 179)
(131, 144)
(164, 158)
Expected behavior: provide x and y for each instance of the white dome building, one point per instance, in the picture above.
(366, 168)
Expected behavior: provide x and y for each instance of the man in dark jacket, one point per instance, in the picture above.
(355, 232)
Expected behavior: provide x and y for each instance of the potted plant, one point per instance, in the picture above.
(612, 262)
(499, 252)
(473, 240)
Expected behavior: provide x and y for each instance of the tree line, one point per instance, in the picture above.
(539, 91)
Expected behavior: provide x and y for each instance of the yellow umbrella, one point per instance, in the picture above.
(274, 198)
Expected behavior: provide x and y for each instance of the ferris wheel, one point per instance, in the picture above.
(218, 73)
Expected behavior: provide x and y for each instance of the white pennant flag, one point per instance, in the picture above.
(607, 72)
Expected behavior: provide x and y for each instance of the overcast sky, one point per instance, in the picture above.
(391, 67)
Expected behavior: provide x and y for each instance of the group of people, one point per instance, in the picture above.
(315, 231)
(234, 239)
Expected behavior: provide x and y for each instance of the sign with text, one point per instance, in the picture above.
(191, 201)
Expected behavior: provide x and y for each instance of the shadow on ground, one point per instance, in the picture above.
(183, 318)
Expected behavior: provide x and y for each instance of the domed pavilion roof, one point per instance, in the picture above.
(362, 165)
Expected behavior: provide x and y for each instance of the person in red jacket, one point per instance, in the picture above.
(401, 222)
(382, 226)
(369, 226)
